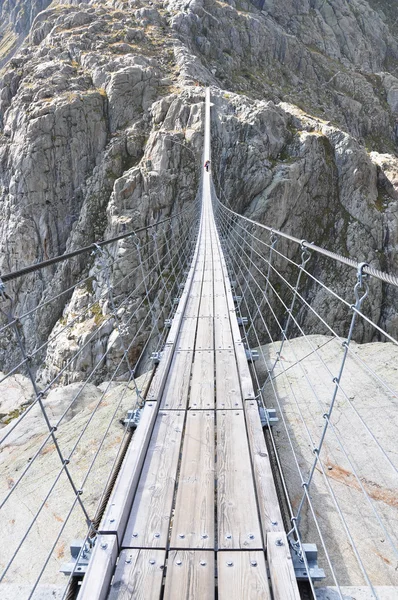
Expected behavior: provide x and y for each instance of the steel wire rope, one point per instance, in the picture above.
(287, 495)
(38, 266)
(64, 368)
(57, 296)
(386, 277)
(340, 443)
(309, 246)
(342, 448)
(336, 338)
(71, 454)
(69, 324)
(120, 445)
(311, 507)
(80, 437)
(28, 410)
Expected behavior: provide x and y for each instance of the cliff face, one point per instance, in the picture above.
(100, 113)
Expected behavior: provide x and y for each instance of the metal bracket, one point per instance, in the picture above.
(77, 567)
(133, 418)
(311, 554)
(268, 416)
(243, 321)
(155, 357)
(176, 300)
(251, 355)
(168, 323)
(237, 299)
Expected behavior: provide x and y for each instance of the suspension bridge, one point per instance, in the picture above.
(242, 432)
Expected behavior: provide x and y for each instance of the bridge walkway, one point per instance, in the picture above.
(202, 510)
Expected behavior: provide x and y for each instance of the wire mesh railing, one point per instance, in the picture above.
(309, 315)
(65, 395)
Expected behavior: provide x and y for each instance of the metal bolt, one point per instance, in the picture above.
(112, 520)
(182, 535)
(251, 536)
(279, 542)
(152, 561)
(178, 562)
(228, 536)
(157, 535)
(128, 560)
(230, 563)
(274, 522)
(203, 563)
(204, 535)
(253, 563)
(135, 534)
(104, 546)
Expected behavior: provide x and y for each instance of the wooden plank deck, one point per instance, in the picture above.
(283, 580)
(197, 489)
(242, 575)
(190, 575)
(238, 524)
(138, 575)
(148, 525)
(193, 523)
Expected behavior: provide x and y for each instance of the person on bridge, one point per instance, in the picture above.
(207, 165)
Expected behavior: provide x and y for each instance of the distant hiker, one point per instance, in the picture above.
(207, 165)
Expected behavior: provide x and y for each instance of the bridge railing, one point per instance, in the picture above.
(308, 312)
(75, 358)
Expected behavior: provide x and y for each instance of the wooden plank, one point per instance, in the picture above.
(222, 334)
(238, 524)
(283, 579)
(117, 511)
(192, 307)
(138, 575)
(205, 334)
(220, 306)
(186, 337)
(193, 521)
(228, 394)
(202, 383)
(270, 514)
(190, 575)
(175, 394)
(206, 305)
(159, 379)
(148, 525)
(242, 575)
(245, 377)
(100, 569)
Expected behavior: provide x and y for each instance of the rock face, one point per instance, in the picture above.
(100, 113)
(358, 459)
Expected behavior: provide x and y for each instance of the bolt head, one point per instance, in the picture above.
(104, 545)
(152, 561)
(157, 535)
(230, 563)
(253, 563)
(203, 563)
(228, 536)
(178, 562)
(204, 536)
(251, 536)
(135, 534)
(182, 535)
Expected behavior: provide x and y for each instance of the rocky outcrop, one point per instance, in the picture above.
(100, 113)
(16, 18)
